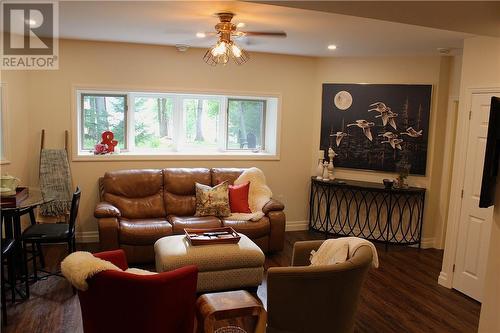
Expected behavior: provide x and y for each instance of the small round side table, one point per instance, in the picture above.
(215, 307)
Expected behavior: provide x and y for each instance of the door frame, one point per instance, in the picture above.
(457, 183)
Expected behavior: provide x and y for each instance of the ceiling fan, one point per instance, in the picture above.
(225, 47)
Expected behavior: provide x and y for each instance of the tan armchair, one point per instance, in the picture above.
(303, 298)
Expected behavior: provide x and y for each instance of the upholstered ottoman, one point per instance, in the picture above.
(220, 266)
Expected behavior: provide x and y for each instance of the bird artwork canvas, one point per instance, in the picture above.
(377, 126)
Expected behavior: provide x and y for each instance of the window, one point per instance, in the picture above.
(178, 124)
(245, 124)
(103, 113)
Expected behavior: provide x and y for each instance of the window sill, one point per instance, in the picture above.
(4, 162)
(185, 156)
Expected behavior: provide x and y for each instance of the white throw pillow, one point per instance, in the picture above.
(331, 252)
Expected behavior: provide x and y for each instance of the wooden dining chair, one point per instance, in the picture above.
(51, 233)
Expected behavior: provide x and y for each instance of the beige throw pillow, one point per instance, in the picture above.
(212, 201)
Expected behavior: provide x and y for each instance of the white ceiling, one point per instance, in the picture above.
(309, 32)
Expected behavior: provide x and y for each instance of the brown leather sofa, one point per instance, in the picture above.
(138, 207)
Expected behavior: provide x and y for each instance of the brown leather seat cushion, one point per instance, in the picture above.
(143, 231)
(253, 229)
(181, 222)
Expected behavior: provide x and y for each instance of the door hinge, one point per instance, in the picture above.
(453, 269)
(462, 194)
(470, 114)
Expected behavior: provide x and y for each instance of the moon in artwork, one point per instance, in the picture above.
(343, 100)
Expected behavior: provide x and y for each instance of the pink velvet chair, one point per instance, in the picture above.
(123, 302)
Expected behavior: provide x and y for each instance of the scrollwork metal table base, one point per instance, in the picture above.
(367, 210)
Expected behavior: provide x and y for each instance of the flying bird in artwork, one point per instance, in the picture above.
(389, 135)
(395, 143)
(365, 126)
(339, 136)
(379, 107)
(390, 118)
(410, 131)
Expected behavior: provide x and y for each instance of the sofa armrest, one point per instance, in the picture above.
(277, 221)
(302, 252)
(108, 233)
(105, 209)
(272, 205)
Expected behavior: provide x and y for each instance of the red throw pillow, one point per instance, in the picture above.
(238, 198)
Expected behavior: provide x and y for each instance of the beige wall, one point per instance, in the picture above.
(427, 70)
(298, 80)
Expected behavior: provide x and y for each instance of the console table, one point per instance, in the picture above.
(368, 210)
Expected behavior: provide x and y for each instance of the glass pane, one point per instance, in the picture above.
(153, 119)
(103, 113)
(201, 123)
(245, 124)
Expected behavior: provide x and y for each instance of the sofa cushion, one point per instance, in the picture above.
(181, 222)
(133, 183)
(136, 193)
(179, 185)
(143, 231)
(181, 181)
(212, 201)
(238, 198)
(253, 229)
(225, 174)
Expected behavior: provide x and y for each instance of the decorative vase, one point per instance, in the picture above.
(331, 155)
(319, 169)
(325, 171)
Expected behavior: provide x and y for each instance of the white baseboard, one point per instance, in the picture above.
(443, 280)
(87, 237)
(427, 243)
(296, 225)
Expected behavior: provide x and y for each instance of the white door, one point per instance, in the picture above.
(475, 223)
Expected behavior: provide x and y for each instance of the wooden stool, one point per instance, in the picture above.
(228, 305)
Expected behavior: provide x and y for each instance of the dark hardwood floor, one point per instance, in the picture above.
(402, 295)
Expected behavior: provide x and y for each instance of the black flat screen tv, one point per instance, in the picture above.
(491, 157)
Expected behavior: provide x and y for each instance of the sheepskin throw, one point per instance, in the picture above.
(79, 266)
(258, 195)
(332, 251)
(55, 182)
(212, 200)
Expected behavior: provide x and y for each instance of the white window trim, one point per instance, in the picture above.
(5, 158)
(272, 127)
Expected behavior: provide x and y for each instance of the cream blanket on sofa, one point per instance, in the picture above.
(258, 195)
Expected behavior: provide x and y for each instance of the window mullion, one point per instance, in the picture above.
(130, 122)
(178, 125)
(222, 135)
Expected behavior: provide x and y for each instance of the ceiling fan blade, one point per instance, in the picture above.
(281, 34)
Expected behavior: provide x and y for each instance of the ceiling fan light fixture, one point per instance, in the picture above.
(219, 48)
(236, 50)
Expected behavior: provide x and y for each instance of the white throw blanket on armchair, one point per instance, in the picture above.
(258, 194)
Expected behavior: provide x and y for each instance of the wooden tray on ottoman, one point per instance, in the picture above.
(210, 236)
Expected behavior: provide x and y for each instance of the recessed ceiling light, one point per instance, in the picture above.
(32, 22)
(201, 35)
(332, 47)
(241, 25)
